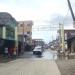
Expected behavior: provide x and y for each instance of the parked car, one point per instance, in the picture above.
(38, 50)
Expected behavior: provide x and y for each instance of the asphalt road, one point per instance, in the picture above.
(47, 54)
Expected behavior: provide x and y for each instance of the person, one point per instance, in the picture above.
(6, 52)
(14, 51)
(10, 52)
(19, 49)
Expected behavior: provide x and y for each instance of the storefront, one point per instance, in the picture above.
(8, 31)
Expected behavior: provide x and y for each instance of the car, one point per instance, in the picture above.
(38, 51)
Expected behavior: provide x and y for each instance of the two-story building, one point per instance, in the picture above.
(8, 31)
(25, 32)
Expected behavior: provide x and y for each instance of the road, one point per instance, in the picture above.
(47, 54)
(51, 55)
(30, 66)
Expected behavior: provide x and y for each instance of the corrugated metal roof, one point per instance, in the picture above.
(69, 28)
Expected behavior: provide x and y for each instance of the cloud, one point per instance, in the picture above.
(36, 10)
(23, 9)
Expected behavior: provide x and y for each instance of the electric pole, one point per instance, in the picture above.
(23, 38)
(62, 37)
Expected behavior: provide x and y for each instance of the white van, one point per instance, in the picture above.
(37, 50)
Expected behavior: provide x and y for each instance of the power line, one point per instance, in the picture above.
(45, 28)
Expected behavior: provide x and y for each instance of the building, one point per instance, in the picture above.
(69, 39)
(54, 44)
(38, 42)
(8, 31)
(25, 31)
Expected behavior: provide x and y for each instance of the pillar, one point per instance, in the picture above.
(16, 38)
(4, 32)
(62, 36)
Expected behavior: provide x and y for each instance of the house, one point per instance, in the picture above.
(36, 42)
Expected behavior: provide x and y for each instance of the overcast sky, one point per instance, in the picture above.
(33, 9)
(36, 10)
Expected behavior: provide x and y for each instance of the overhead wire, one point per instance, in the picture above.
(49, 27)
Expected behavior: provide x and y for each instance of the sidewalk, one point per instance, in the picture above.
(66, 67)
(6, 59)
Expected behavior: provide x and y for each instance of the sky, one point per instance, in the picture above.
(33, 9)
(41, 12)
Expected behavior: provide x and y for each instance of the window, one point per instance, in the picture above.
(28, 32)
(28, 24)
(21, 25)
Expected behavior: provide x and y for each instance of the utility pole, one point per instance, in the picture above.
(23, 38)
(62, 37)
(72, 13)
(59, 36)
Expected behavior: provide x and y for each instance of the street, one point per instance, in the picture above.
(47, 54)
(37, 37)
(30, 66)
(51, 55)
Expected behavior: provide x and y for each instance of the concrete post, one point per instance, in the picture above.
(62, 38)
(16, 38)
(4, 32)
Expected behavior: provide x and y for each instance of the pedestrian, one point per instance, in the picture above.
(19, 49)
(14, 51)
(10, 52)
(6, 52)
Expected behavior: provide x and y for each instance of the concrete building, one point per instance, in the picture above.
(69, 39)
(8, 31)
(25, 31)
(38, 42)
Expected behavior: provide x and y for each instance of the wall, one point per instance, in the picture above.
(25, 26)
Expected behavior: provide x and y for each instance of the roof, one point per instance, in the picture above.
(37, 39)
(6, 19)
(69, 28)
(28, 22)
